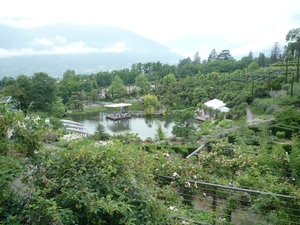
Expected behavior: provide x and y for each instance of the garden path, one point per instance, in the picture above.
(249, 114)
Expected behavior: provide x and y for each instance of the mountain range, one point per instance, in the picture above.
(87, 49)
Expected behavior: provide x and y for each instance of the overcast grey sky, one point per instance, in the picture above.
(243, 25)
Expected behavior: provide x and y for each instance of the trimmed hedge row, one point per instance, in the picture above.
(288, 129)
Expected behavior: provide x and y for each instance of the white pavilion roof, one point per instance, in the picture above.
(117, 105)
(217, 104)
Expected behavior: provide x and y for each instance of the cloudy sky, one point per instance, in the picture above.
(185, 26)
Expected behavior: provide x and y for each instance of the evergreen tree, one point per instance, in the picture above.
(212, 56)
(275, 55)
(197, 58)
(261, 60)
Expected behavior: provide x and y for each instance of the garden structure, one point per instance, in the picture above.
(122, 114)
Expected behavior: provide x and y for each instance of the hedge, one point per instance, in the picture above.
(288, 129)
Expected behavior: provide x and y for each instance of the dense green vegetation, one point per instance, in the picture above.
(50, 177)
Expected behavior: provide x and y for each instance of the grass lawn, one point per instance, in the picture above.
(137, 107)
(256, 111)
(88, 110)
(270, 100)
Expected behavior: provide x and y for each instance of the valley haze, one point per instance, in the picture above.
(87, 49)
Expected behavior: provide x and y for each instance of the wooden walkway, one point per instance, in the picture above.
(129, 115)
(142, 113)
(73, 126)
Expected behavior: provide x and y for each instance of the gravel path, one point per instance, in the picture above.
(249, 114)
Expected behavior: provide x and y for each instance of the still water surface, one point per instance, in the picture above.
(145, 127)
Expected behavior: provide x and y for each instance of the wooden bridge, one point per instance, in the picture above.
(143, 113)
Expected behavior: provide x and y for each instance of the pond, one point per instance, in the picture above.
(143, 126)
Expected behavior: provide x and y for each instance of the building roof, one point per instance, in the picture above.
(217, 104)
(117, 105)
(224, 109)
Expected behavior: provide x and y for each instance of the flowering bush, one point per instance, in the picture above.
(111, 183)
(71, 137)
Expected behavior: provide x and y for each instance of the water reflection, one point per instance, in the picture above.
(144, 127)
(149, 121)
(118, 126)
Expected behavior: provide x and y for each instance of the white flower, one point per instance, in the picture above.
(173, 208)
(71, 137)
(187, 184)
(175, 174)
(185, 222)
(47, 120)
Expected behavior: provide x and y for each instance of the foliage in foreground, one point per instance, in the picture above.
(94, 184)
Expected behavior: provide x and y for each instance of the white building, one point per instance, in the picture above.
(215, 104)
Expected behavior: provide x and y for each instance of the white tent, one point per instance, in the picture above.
(217, 104)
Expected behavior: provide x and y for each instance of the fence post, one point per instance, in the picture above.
(214, 205)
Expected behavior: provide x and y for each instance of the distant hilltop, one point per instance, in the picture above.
(84, 48)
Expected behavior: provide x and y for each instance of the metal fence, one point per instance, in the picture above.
(221, 204)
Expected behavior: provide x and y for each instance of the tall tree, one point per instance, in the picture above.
(169, 79)
(20, 89)
(197, 58)
(43, 91)
(212, 56)
(275, 55)
(142, 82)
(103, 79)
(184, 124)
(71, 83)
(261, 60)
(250, 56)
(293, 39)
(117, 87)
(68, 74)
(224, 55)
(199, 95)
(184, 62)
(150, 101)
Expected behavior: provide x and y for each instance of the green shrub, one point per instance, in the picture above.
(56, 123)
(269, 110)
(255, 128)
(225, 123)
(183, 150)
(231, 138)
(286, 87)
(288, 129)
(294, 124)
(280, 134)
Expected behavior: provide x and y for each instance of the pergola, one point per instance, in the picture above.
(119, 105)
(122, 114)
